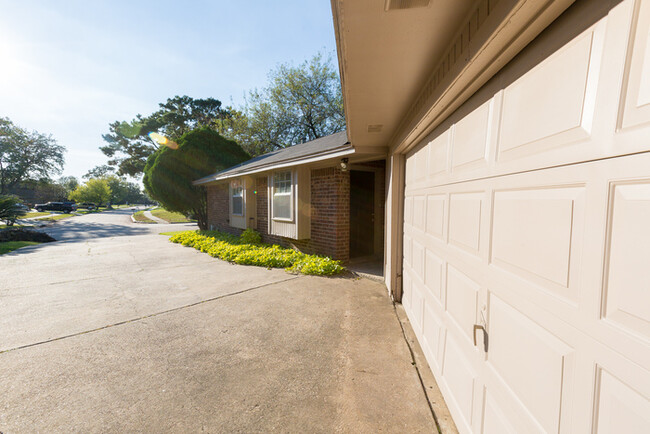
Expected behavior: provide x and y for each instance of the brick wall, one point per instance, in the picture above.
(218, 209)
(330, 213)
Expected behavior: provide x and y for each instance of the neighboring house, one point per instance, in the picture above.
(516, 142)
(301, 196)
(517, 139)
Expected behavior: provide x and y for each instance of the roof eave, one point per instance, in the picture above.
(337, 153)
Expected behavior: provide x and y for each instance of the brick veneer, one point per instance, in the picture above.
(219, 208)
(330, 213)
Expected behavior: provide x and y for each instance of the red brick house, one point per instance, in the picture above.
(320, 197)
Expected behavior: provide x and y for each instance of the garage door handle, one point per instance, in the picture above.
(485, 336)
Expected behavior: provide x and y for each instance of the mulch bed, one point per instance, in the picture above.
(21, 234)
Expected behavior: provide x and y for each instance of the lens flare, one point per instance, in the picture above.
(162, 140)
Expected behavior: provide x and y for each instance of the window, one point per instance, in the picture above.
(282, 195)
(237, 198)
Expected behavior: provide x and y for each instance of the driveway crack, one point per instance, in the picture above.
(151, 315)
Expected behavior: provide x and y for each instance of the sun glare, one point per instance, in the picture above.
(162, 140)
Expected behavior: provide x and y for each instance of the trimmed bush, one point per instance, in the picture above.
(250, 236)
(248, 250)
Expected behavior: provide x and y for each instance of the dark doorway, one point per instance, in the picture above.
(362, 213)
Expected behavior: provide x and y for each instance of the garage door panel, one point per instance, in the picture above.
(434, 275)
(462, 384)
(494, 419)
(537, 234)
(417, 261)
(436, 153)
(530, 360)
(470, 140)
(465, 211)
(636, 97)
(435, 215)
(416, 307)
(462, 301)
(626, 292)
(619, 407)
(433, 333)
(408, 254)
(408, 210)
(532, 120)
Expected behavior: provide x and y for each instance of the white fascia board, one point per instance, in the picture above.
(279, 165)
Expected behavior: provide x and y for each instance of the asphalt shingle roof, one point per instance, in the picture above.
(320, 147)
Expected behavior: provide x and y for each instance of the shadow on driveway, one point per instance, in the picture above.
(76, 230)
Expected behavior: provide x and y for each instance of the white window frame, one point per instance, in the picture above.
(291, 194)
(237, 185)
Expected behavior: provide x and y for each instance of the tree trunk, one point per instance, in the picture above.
(202, 218)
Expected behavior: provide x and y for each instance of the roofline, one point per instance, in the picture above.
(342, 151)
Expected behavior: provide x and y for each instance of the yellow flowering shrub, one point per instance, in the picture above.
(248, 250)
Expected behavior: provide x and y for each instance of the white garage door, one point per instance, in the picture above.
(528, 214)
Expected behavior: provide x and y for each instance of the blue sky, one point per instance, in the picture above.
(69, 68)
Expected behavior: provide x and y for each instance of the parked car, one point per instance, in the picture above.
(87, 205)
(56, 206)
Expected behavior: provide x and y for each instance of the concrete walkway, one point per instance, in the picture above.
(128, 332)
(150, 216)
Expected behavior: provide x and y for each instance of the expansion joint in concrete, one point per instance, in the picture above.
(128, 321)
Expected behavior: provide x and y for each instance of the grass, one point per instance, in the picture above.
(171, 217)
(247, 250)
(171, 233)
(35, 214)
(140, 217)
(3, 226)
(56, 217)
(10, 246)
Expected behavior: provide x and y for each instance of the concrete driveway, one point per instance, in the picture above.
(116, 329)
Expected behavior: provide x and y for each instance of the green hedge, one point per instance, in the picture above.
(247, 250)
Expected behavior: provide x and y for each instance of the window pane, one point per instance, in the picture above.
(238, 200)
(282, 182)
(282, 206)
(237, 205)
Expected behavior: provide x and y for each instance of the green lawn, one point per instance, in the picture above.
(56, 217)
(171, 232)
(140, 217)
(171, 217)
(10, 246)
(34, 214)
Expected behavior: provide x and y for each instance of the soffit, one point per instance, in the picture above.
(385, 58)
(408, 69)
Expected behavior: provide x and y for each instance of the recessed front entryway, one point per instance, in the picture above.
(366, 209)
(362, 213)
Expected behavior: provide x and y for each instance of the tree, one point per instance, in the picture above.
(99, 172)
(169, 173)
(69, 183)
(299, 104)
(123, 191)
(9, 211)
(94, 190)
(128, 143)
(25, 155)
